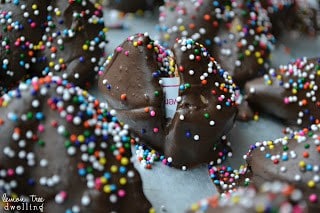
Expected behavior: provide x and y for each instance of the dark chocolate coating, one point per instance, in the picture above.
(15, 53)
(237, 35)
(205, 110)
(60, 143)
(293, 159)
(66, 38)
(289, 93)
(268, 197)
(128, 6)
(293, 15)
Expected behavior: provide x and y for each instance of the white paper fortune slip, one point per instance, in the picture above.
(171, 91)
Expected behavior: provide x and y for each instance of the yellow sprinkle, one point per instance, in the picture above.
(5, 103)
(105, 29)
(113, 168)
(123, 181)
(194, 207)
(103, 180)
(311, 184)
(235, 199)
(85, 47)
(239, 27)
(256, 117)
(51, 64)
(124, 161)
(271, 146)
(107, 189)
(34, 7)
(247, 52)
(270, 143)
(152, 210)
(81, 138)
(61, 60)
(181, 28)
(260, 61)
(103, 161)
(167, 37)
(311, 85)
(85, 93)
(260, 208)
(302, 164)
(279, 77)
(294, 91)
(135, 44)
(258, 54)
(58, 13)
(269, 82)
(318, 72)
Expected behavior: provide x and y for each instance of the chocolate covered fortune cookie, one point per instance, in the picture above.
(205, 104)
(61, 144)
(289, 92)
(66, 38)
(294, 159)
(236, 33)
(272, 196)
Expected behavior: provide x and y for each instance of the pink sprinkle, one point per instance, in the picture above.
(33, 25)
(152, 113)
(121, 193)
(98, 183)
(69, 118)
(155, 130)
(126, 52)
(286, 100)
(63, 194)
(10, 172)
(164, 161)
(40, 128)
(313, 198)
(119, 49)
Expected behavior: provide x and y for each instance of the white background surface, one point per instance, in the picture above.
(172, 190)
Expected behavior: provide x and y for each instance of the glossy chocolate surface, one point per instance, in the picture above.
(61, 144)
(205, 111)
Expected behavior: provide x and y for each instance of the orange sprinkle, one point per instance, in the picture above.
(146, 109)
(206, 17)
(305, 154)
(73, 137)
(204, 82)
(123, 96)
(118, 157)
(17, 130)
(53, 49)
(192, 26)
(304, 102)
(121, 150)
(133, 141)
